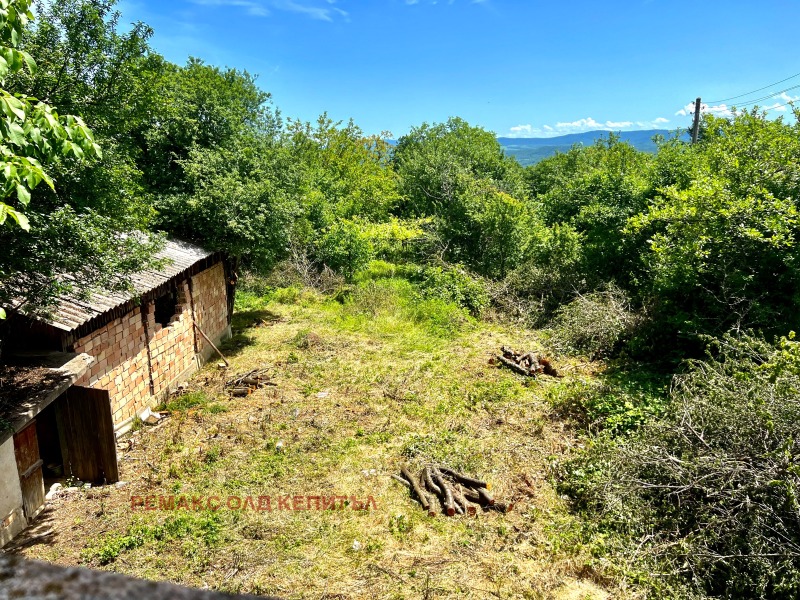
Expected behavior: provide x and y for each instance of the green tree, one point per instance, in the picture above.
(342, 173)
(723, 247)
(431, 159)
(71, 231)
(202, 107)
(32, 132)
(595, 190)
(239, 201)
(458, 175)
(345, 248)
(217, 167)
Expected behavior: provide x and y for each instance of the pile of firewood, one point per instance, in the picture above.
(524, 363)
(442, 490)
(247, 383)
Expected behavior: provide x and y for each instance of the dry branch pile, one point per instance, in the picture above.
(526, 363)
(247, 383)
(442, 490)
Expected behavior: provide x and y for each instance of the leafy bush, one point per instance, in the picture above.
(711, 491)
(617, 402)
(594, 324)
(449, 283)
(345, 248)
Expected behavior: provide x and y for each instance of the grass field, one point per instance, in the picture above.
(363, 384)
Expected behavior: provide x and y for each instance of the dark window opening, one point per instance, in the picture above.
(166, 307)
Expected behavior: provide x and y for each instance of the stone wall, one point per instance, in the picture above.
(121, 347)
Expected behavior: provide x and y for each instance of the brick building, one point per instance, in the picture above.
(84, 374)
(145, 343)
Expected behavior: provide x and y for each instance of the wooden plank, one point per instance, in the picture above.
(86, 429)
(29, 467)
(32, 493)
(26, 447)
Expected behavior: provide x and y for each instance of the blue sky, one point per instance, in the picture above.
(518, 68)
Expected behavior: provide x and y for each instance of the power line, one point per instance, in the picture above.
(781, 106)
(757, 100)
(753, 91)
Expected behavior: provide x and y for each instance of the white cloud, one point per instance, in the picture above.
(252, 7)
(783, 100)
(583, 125)
(586, 124)
(720, 110)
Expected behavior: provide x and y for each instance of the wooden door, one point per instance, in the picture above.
(86, 429)
(29, 466)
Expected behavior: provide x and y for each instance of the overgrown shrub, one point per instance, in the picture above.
(594, 324)
(710, 493)
(450, 283)
(345, 248)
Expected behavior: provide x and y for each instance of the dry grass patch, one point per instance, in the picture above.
(362, 386)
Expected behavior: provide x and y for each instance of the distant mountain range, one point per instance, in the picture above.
(529, 151)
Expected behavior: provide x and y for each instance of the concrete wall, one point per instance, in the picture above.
(12, 517)
(121, 347)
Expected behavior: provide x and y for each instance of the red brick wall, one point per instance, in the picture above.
(120, 353)
(120, 347)
(171, 347)
(210, 306)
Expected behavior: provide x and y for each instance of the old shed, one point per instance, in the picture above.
(136, 346)
(146, 342)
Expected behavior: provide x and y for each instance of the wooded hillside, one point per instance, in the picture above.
(677, 270)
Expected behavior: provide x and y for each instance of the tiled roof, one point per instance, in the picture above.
(73, 312)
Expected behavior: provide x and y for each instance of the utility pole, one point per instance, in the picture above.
(696, 125)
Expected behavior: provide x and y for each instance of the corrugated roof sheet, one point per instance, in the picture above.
(72, 312)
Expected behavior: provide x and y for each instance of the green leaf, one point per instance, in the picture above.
(7, 211)
(2, 313)
(29, 62)
(17, 135)
(23, 194)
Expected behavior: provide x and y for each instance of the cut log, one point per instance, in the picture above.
(401, 480)
(468, 481)
(486, 498)
(433, 505)
(426, 474)
(458, 495)
(480, 496)
(415, 486)
(449, 503)
(472, 496)
(240, 392)
(514, 366)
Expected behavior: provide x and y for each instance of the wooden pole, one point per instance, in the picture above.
(225, 360)
(696, 124)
